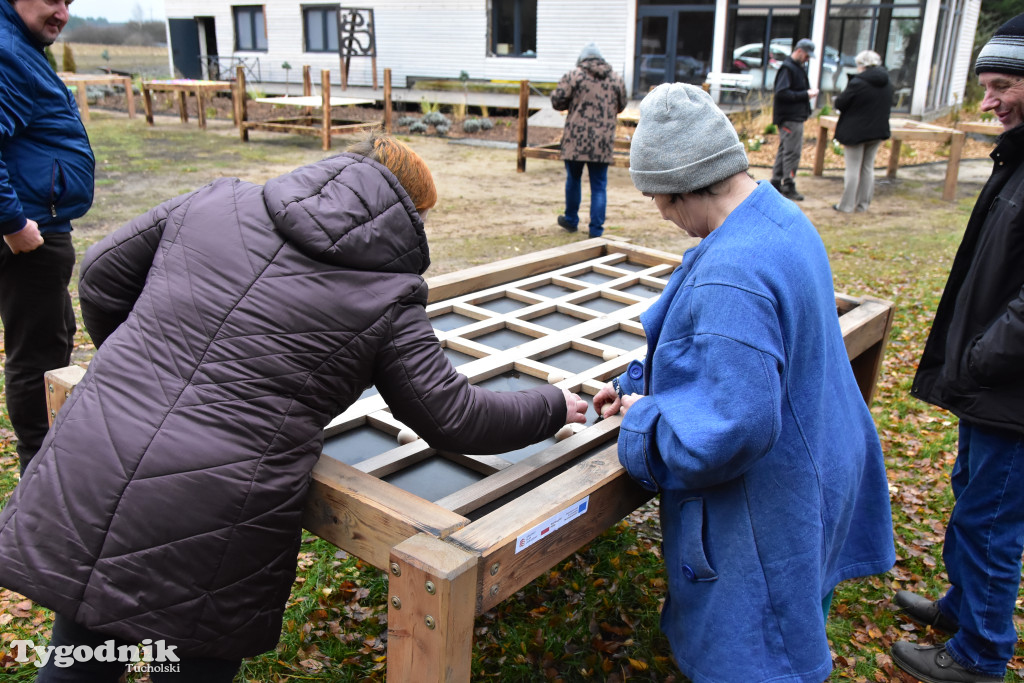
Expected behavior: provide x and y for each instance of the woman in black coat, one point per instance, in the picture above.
(864, 109)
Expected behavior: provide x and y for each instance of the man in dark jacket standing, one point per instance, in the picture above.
(973, 365)
(792, 106)
(594, 95)
(46, 180)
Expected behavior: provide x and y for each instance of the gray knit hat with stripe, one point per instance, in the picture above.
(683, 142)
(1004, 53)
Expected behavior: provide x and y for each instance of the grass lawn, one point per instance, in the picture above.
(593, 617)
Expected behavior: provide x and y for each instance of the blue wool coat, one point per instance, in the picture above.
(772, 482)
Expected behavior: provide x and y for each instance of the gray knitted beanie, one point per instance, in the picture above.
(683, 142)
(588, 51)
(1004, 53)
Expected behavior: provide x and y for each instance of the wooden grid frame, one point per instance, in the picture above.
(452, 558)
(80, 81)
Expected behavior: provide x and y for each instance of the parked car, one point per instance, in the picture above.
(835, 68)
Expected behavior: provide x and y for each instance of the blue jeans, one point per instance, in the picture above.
(598, 193)
(982, 551)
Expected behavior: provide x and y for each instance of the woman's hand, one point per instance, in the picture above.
(607, 402)
(575, 408)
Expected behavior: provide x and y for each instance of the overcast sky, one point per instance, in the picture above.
(119, 10)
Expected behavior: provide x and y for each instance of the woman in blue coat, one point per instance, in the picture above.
(745, 414)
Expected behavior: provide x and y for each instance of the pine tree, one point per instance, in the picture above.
(49, 57)
(69, 59)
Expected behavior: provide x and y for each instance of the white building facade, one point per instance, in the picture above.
(925, 44)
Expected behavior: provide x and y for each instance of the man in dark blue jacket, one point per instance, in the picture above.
(973, 366)
(46, 180)
(792, 106)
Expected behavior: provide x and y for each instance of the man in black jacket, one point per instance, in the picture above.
(973, 365)
(792, 106)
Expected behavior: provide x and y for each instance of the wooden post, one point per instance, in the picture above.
(182, 106)
(524, 114)
(325, 87)
(201, 106)
(147, 103)
(819, 150)
(431, 605)
(307, 89)
(956, 148)
(374, 59)
(894, 158)
(82, 98)
(241, 113)
(59, 384)
(344, 73)
(387, 100)
(129, 96)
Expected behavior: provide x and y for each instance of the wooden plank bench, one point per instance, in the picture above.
(459, 533)
(903, 129)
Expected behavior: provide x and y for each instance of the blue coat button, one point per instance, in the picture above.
(636, 371)
(688, 572)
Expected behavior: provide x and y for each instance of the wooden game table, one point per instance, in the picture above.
(80, 81)
(183, 87)
(903, 129)
(459, 533)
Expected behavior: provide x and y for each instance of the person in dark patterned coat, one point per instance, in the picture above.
(593, 94)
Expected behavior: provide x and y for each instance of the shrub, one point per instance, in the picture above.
(436, 118)
(417, 127)
(49, 57)
(68, 62)
(771, 129)
(406, 121)
(442, 129)
(471, 125)
(486, 124)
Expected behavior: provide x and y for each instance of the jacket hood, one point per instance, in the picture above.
(874, 75)
(351, 212)
(596, 66)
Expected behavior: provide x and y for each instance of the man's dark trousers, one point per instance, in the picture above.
(787, 159)
(39, 331)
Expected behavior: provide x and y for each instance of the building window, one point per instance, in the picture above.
(250, 29)
(321, 26)
(514, 28)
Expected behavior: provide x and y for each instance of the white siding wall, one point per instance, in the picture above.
(962, 66)
(437, 39)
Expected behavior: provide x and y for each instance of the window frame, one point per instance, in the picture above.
(327, 11)
(249, 13)
(520, 33)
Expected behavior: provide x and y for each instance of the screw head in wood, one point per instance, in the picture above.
(395, 569)
(430, 587)
(430, 622)
(396, 602)
(494, 568)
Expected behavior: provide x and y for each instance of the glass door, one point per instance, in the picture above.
(673, 45)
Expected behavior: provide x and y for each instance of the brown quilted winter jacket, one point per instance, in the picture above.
(594, 95)
(234, 323)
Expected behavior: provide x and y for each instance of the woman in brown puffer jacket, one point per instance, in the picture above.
(232, 325)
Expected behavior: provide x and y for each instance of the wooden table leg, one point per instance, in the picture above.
(82, 98)
(956, 148)
(819, 150)
(201, 106)
(129, 96)
(894, 158)
(325, 113)
(431, 607)
(147, 104)
(182, 107)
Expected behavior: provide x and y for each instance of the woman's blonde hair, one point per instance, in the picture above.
(408, 167)
(866, 58)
